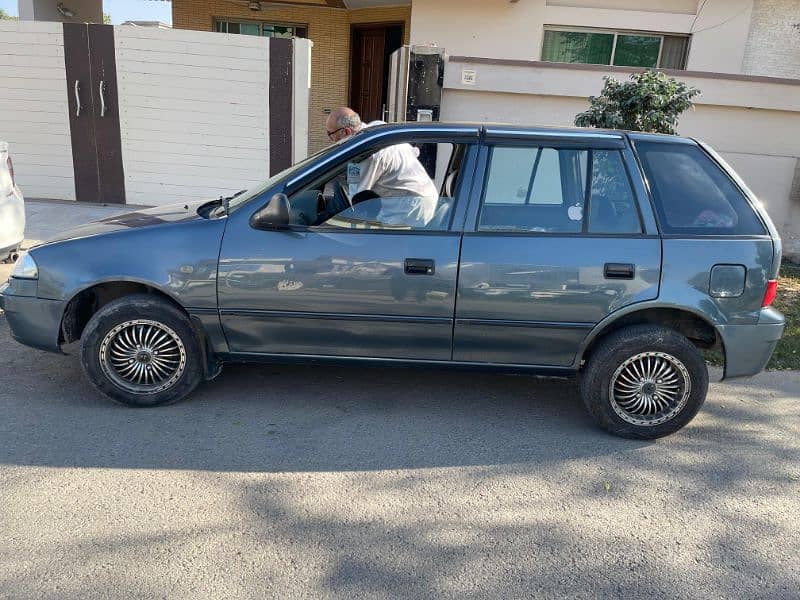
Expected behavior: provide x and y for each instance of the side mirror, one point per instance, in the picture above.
(274, 215)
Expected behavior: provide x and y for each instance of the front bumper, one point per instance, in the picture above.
(33, 321)
(748, 348)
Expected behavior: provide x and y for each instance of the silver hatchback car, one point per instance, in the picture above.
(611, 256)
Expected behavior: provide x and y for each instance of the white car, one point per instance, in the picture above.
(12, 208)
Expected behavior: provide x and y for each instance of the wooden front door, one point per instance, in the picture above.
(371, 48)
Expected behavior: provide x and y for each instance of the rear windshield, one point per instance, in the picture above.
(693, 195)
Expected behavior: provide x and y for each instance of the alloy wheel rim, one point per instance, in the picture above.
(650, 388)
(142, 356)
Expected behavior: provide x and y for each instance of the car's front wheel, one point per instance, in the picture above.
(644, 382)
(141, 351)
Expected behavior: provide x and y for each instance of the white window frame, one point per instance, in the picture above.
(616, 33)
(260, 24)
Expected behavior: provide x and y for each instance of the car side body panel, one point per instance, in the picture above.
(337, 293)
(533, 299)
(177, 258)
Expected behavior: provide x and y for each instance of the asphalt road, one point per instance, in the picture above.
(304, 482)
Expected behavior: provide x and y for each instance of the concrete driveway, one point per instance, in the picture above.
(309, 482)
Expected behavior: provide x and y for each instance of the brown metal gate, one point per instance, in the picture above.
(94, 113)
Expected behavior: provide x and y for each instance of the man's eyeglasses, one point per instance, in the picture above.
(333, 133)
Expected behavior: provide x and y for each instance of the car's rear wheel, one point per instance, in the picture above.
(644, 382)
(141, 351)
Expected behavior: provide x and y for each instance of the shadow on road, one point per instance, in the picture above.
(293, 418)
(340, 483)
(279, 418)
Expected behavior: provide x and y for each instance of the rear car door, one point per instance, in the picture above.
(559, 236)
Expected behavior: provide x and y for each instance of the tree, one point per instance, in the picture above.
(650, 101)
(4, 16)
(106, 19)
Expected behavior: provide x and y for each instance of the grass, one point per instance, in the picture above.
(787, 353)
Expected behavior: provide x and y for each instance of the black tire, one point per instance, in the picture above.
(627, 349)
(137, 313)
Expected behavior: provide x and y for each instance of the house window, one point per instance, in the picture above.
(261, 28)
(619, 48)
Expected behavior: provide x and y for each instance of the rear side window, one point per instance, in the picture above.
(558, 190)
(693, 195)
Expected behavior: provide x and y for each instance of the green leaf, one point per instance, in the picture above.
(648, 101)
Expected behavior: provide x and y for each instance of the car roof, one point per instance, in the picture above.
(502, 129)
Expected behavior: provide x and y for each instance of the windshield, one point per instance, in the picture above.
(262, 187)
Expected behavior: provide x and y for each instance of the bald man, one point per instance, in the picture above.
(342, 123)
(391, 172)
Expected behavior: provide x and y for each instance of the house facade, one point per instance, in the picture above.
(347, 41)
(749, 37)
(537, 61)
(353, 38)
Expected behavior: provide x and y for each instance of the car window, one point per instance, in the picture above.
(692, 194)
(612, 205)
(390, 187)
(403, 213)
(557, 190)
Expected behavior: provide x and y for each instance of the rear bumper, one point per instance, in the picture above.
(33, 321)
(748, 348)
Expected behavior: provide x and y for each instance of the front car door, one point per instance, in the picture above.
(355, 285)
(559, 236)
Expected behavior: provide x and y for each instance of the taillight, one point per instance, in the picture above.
(769, 295)
(10, 170)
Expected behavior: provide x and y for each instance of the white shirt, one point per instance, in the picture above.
(395, 172)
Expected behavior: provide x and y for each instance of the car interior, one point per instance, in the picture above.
(327, 201)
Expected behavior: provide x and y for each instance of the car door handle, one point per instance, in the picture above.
(420, 266)
(619, 271)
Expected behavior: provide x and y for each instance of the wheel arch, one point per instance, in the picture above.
(85, 303)
(689, 322)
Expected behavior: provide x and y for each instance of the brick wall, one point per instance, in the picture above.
(773, 46)
(328, 28)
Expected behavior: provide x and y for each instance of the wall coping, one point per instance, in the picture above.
(539, 64)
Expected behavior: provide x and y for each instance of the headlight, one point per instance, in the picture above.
(25, 267)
